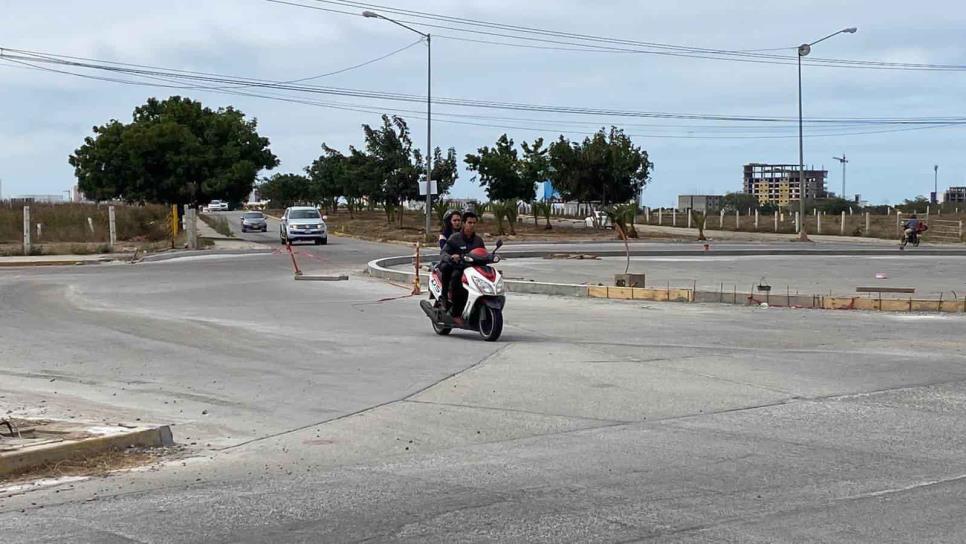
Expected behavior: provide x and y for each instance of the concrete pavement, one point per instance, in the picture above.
(809, 275)
(322, 412)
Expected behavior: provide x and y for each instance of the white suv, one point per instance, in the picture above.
(217, 206)
(303, 223)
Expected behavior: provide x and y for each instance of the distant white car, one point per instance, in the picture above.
(303, 223)
(217, 206)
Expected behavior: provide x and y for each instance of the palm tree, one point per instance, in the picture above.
(622, 215)
(699, 219)
(545, 210)
(511, 210)
(440, 207)
(498, 209)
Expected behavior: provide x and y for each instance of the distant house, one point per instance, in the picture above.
(700, 203)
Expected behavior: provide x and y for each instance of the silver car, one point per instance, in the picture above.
(253, 221)
(303, 223)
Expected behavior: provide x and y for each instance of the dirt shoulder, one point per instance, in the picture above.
(373, 226)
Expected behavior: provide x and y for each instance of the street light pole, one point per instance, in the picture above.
(429, 134)
(804, 50)
(429, 113)
(935, 187)
(801, 151)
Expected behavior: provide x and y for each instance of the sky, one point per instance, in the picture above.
(45, 116)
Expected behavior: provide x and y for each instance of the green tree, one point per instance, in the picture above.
(732, 202)
(606, 167)
(392, 150)
(915, 205)
(328, 176)
(173, 152)
(504, 174)
(284, 190)
(699, 219)
(835, 206)
(622, 216)
(499, 210)
(445, 170)
(363, 181)
(507, 177)
(440, 207)
(545, 210)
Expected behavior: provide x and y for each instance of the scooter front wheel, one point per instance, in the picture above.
(491, 323)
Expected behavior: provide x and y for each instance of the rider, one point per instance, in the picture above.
(452, 222)
(911, 227)
(458, 245)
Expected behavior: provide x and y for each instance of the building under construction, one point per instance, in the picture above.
(778, 184)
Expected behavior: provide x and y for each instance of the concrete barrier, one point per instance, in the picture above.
(380, 268)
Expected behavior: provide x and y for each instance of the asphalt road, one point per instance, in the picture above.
(330, 412)
(929, 275)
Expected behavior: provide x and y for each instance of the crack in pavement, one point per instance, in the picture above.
(516, 411)
(368, 409)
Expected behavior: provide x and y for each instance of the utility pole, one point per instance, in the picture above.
(842, 160)
(935, 186)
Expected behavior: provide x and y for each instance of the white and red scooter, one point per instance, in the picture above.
(485, 297)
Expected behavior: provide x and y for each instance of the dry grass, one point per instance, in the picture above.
(880, 226)
(100, 464)
(373, 226)
(69, 248)
(84, 223)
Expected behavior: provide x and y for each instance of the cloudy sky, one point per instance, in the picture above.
(44, 116)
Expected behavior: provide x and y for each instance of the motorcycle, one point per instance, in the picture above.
(484, 293)
(911, 236)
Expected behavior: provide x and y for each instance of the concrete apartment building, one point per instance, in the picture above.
(700, 203)
(779, 183)
(955, 195)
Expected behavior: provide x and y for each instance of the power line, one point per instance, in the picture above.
(455, 102)
(362, 109)
(534, 34)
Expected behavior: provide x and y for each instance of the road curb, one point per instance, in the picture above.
(33, 456)
(379, 268)
(63, 262)
(181, 254)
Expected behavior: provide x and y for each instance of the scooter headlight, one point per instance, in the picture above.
(484, 287)
(500, 287)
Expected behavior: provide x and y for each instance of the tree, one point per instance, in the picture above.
(699, 219)
(732, 202)
(835, 206)
(392, 150)
(917, 204)
(173, 152)
(507, 177)
(606, 167)
(622, 215)
(445, 170)
(328, 176)
(363, 180)
(440, 208)
(545, 210)
(499, 210)
(284, 190)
